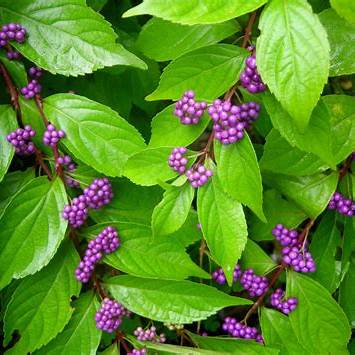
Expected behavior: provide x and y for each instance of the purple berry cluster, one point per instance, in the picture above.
(250, 78)
(138, 352)
(149, 334)
(188, 110)
(286, 306)
(240, 330)
(13, 55)
(105, 243)
(343, 205)
(219, 276)
(109, 317)
(66, 162)
(31, 89)
(98, 194)
(285, 236)
(12, 32)
(298, 258)
(21, 140)
(255, 285)
(198, 175)
(177, 161)
(52, 136)
(231, 120)
(35, 72)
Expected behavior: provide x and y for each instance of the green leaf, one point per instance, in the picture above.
(97, 5)
(223, 225)
(318, 322)
(16, 70)
(231, 345)
(12, 184)
(192, 13)
(311, 193)
(277, 210)
(177, 349)
(40, 306)
(94, 133)
(170, 301)
(171, 213)
(255, 258)
(323, 249)
(331, 130)
(340, 36)
(157, 35)
(8, 124)
(66, 36)
(209, 71)
(80, 335)
(286, 57)
(132, 203)
(345, 9)
(280, 157)
(167, 128)
(31, 228)
(150, 166)
(347, 294)
(278, 333)
(239, 172)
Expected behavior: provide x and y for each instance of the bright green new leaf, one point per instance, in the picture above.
(40, 306)
(31, 228)
(80, 335)
(291, 38)
(66, 36)
(192, 12)
(223, 225)
(170, 301)
(95, 134)
(345, 9)
(209, 71)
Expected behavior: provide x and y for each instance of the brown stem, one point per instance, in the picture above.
(98, 287)
(345, 168)
(42, 164)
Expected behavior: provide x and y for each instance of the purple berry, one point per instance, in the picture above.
(138, 352)
(35, 72)
(177, 161)
(52, 136)
(250, 78)
(12, 32)
(286, 306)
(198, 175)
(21, 140)
(188, 110)
(99, 193)
(285, 236)
(68, 166)
(298, 258)
(240, 330)
(31, 89)
(109, 317)
(76, 213)
(343, 205)
(220, 278)
(149, 335)
(255, 285)
(13, 55)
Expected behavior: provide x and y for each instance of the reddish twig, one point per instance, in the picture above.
(42, 164)
(345, 168)
(98, 287)
(11, 89)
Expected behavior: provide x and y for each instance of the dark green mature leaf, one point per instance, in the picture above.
(171, 213)
(80, 335)
(277, 210)
(209, 71)
(223, 225)
(170, 301)
(16, 69)
(347, 294)
(192, 13)
(97, 5)
(12, 184)
(40, 306)
(278, 333)
(348, 244)
(280, 157)
(341, 36)
(318, 322)
(331, 130)
(132, 203)
(291, 37)
(323, 249)
(345, 9)
(311, 193)
(8, 123)
(167, 128)
(31, 228)
(94, 133)
(157, 36)
(150, 166)
(239, 172)
(177, 349)
(57, 45)
(255, 258)
(232, 345)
